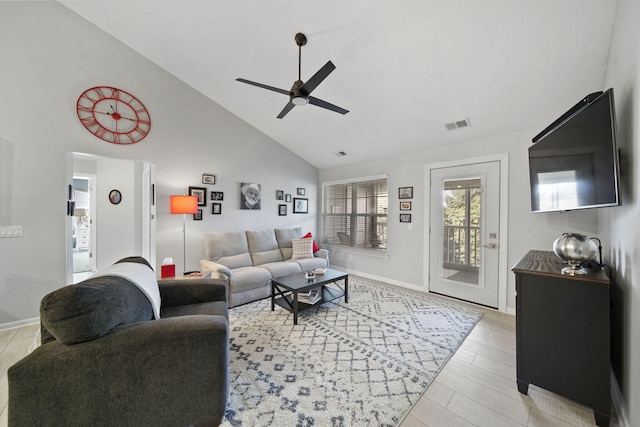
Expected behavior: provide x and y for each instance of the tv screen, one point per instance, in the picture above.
(573, 163)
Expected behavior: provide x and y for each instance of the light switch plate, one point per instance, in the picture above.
(11, 231)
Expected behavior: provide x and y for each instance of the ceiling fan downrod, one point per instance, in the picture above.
(301, 40)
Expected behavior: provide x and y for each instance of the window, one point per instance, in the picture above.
(355, 214)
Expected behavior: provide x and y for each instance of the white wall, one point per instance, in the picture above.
(49, 56)
(619, 225)
(406, 261)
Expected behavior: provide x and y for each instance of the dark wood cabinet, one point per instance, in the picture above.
(562, 332)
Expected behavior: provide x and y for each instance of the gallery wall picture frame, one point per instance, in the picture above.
(217, 196)
(405, 192)
(300, 205)
(279, 195)
(115, 197)
(208, 178)
(405, 217)
(301, 191)
(198, 216)
(250, 196)
(287, 198)
(405, 206)
(282, 210)
(200, 193)
(216, 208)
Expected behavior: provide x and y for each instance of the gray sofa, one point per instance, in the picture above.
(247, 260)
(104, 359)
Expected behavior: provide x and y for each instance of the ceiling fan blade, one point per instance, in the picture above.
(275, 89)
(317, 78)
(324, 104)
(286, 109)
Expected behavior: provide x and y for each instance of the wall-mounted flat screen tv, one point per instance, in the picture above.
(573, 163)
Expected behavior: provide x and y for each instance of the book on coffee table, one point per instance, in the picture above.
(311, 297)
(319, 271)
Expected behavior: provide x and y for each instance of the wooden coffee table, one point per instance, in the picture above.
(285, 290)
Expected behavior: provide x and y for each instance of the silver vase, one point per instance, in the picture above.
(576, 250)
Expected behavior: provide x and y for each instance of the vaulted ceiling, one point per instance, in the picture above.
(405, 68)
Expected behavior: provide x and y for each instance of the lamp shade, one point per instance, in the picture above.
(183, 204)
(81, 212)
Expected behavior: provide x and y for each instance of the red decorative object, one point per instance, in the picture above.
(168, 270)
(315, 245)
(113, 115)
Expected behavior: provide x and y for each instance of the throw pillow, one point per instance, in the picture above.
(302, 248)
(315, 245)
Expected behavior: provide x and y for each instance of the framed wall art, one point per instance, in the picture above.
(208, 178)
(216, 208)
(198, 216)
(282, 210)
(405, 206)
(300, 191)
(115, 197)
(405, 193)
(405, 217)
(279, 195)
(201, 193)
(250, 195)
(300, 205)
(217, 196)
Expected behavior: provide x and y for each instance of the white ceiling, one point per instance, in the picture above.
(404, 67)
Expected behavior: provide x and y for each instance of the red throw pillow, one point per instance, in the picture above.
(310, 236)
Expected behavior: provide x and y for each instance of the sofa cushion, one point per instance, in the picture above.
(249, 278)
(236, 261)
(263, 247)
(90, 309)
(219, 244)
(308, 264)
(266, 257)
(283, 268)
(285, 236)
(211, 308)
(302, 248)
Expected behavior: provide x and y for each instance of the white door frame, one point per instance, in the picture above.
(503, 268)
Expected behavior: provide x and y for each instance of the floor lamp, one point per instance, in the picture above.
(183, 205)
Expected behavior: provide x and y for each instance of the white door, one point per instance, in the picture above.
(464, 232)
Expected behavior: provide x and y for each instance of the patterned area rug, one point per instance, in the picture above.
(365, 363)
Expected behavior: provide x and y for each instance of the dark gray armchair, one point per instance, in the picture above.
(172, 371)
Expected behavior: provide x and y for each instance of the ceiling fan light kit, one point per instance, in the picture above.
(300, 91)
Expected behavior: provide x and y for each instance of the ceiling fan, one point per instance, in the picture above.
(300, 93)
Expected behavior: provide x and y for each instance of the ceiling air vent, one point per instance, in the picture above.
(458, 125)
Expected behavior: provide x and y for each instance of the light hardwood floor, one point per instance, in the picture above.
(477, 387)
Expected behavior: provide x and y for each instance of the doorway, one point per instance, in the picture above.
(467, 230)
(116, 228)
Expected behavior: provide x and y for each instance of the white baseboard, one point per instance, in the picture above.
(618, 402)
(385, 280)
(19, 323)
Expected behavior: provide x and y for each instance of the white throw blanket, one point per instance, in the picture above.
(139, 274)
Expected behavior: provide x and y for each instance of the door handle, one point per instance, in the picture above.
(491, 246)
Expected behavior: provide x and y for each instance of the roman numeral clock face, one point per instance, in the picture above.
(113, 115)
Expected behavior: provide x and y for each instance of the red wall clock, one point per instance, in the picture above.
(113, 115)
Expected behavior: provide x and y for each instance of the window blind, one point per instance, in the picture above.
(355, 214)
